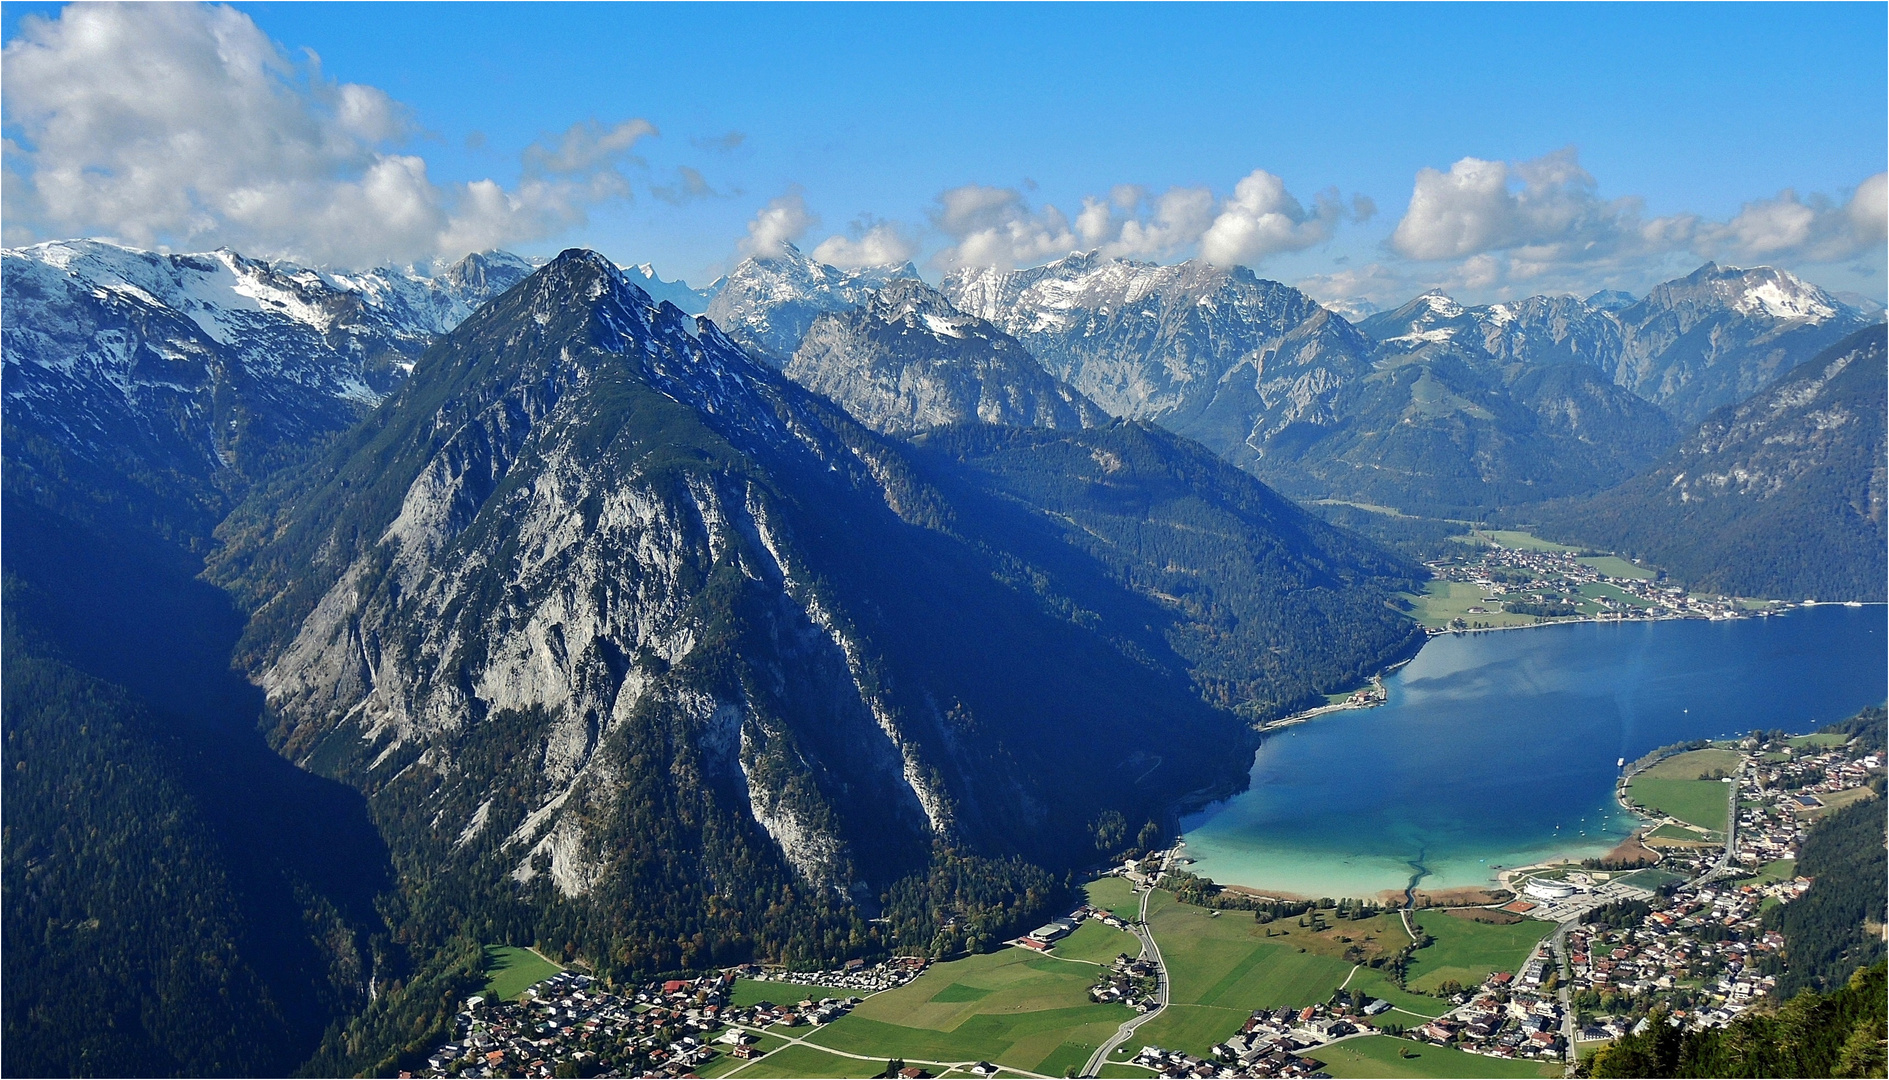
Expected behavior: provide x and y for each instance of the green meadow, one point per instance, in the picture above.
(510, 971)
(1012, 1007)
(1380, 1056)
(1469, 951)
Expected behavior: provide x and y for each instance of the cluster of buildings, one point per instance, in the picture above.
(1132, 982)
(1701, 953)
(671, 1028)
(1511, 1015)
(853, 975)
(1549, 580)
(1273, 1042)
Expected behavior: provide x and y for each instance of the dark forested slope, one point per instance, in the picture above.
(1782, 495)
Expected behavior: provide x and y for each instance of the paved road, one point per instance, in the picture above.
(1565, 987)
(1724, 864)
(1149, 951)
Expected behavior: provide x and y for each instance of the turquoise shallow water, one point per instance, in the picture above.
(1498, 749)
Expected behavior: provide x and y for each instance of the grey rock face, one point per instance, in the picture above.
(207, 363)
(1718, 335)
(768, 304)
(1216, 354)
(906, 360)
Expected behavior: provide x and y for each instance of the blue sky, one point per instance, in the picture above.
(856, 114)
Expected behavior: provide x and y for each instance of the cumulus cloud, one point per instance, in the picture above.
(185, 126)
(870, 243)
(997, 227)
(1550, 206)
(1542, 224)
(779, 223)
(1357, 291)
(1816, 229)
(991, 226)
(1262, 218)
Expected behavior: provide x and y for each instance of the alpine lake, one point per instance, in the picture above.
(1499, 749)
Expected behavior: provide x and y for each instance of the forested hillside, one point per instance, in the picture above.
(1780, 496)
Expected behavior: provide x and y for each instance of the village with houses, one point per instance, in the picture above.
(1525, 582)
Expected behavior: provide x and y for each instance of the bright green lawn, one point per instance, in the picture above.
(1820, 739)
(1377, 1055)
(749, 992)
(800, 1060)
(1116, 895)
(510, 971)
(1650, 878)
(1121, 1070)
(1469, 951)
(1695, 802)
(1098, 943)
(1600, 589)
(1693, 765)
(1675, 832)
(1521, 541)
(1446, 600)
(1776, 870)
(1836, 800)
(1614, 566)
(1013, 1007)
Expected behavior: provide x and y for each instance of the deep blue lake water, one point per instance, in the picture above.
(1498, 749)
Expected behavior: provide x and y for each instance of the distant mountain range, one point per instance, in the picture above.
(1781, 495)
(906, 360)
(852, 616)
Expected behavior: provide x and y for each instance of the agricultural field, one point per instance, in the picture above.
(1837, 800)
(1518, 540)
(1097, 944)
(1615, 567)
(1013, 1007)
(1222, 968)
(1442, 601)
(1822, 740)
(797, 1060)
(510, 971)
(1379, 1055)
(1694, 765)
(1469, 951)
(1116, 895)
(1695, 802)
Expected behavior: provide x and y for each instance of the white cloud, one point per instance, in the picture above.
(1816, 230)
(1548, 207)
(872, 243)
(1356, 291)
(185, 126)
(779, 223)
(995, 227)
(992, 226)
(1262, 218)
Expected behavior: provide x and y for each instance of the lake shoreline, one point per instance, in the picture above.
(1492, 747)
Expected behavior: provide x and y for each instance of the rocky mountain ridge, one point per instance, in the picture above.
(1781, 495)
(767, 303)
(907, 360)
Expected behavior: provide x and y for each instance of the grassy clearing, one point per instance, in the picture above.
(1614, 566)
(1012, 1007)
(1445, 600)
(1600, 590)
(1651, 878)
(1221, 969)
(1695, 802)
(1379, 985)
(1836, 800)
(1518, 540)
(749, 992)
(510, 971)
(1121, 1070)
(1469, 952)
(1115, 895)
(802, 1060)
(1822, 740)
(1097, 943)
(1377, 1055)
(1693, 765)
(1776, 870)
